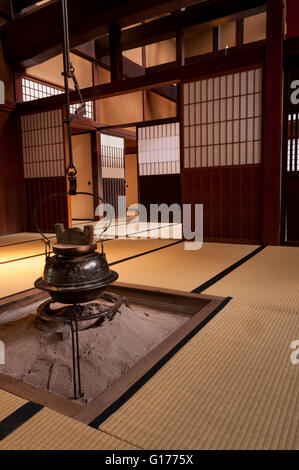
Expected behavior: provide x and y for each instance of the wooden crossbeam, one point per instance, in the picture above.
(248, 55)
(131, 69)
(211, 13)
(36, 36)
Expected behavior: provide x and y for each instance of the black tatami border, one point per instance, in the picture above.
(105, 241)
(225, 272)
(18, 417)
(28, 410)
(99, 420)
(110, 264)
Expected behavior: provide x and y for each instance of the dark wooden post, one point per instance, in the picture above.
(96, 166)
(240, 32)
(145, 110)
(96, 81)
(180, 61)
(217, 38)
(180, 50)
(115, 52)
(272, 148)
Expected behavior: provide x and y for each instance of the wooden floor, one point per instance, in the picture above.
(232, 386)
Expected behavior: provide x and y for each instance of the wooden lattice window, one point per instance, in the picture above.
(223, 120)
(33, 90)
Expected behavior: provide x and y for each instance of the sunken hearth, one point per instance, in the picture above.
(113, 354)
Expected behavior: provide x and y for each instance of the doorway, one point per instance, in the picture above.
(292, 181)
(131, 180)
(82, 207)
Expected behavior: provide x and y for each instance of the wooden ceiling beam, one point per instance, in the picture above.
(131, 69)
(36, 36)
(208, 14)
(203, 59)
(245, 56)
(19, 5)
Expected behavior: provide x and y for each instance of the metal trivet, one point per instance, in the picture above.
(93, 313)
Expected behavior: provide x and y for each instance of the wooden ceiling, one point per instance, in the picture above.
(36, 36)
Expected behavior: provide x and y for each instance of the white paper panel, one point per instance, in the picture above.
(42, 144)
(159, 146)
(222, 120)
(33, 90)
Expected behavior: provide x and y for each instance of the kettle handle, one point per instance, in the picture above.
(54, 195)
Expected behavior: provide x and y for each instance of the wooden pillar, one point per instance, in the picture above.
(240, 32)
(217, 38)
(180, 61)
(115, 52)
(180, 50)
(96, 81)
(145, 107)
(96, 143)
(18, 92)
(272, 141)
(96, 166)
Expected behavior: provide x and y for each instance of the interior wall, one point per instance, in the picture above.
(131, 173)
(122, 109)
(231, 198)
(228, 34)
(198, 42)
(292, 18)
(158, 107)
(11, 177)
(51, 69)
(134, 54)
(6, 74)
(103, 75)
(159, 189)
(160, 52)
(255, 28)
(119, 109)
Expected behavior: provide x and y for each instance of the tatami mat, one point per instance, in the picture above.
(20, 275)
(233, 385)
(22, 237)
(48, 430)
(177, 268)
(9, 403)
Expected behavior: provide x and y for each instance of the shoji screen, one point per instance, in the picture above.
(44, 168)
(112, 153)
(113, 169)
(222, 120)
(35, 89)
(159, 149)
(293, 142)
(42, 142)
